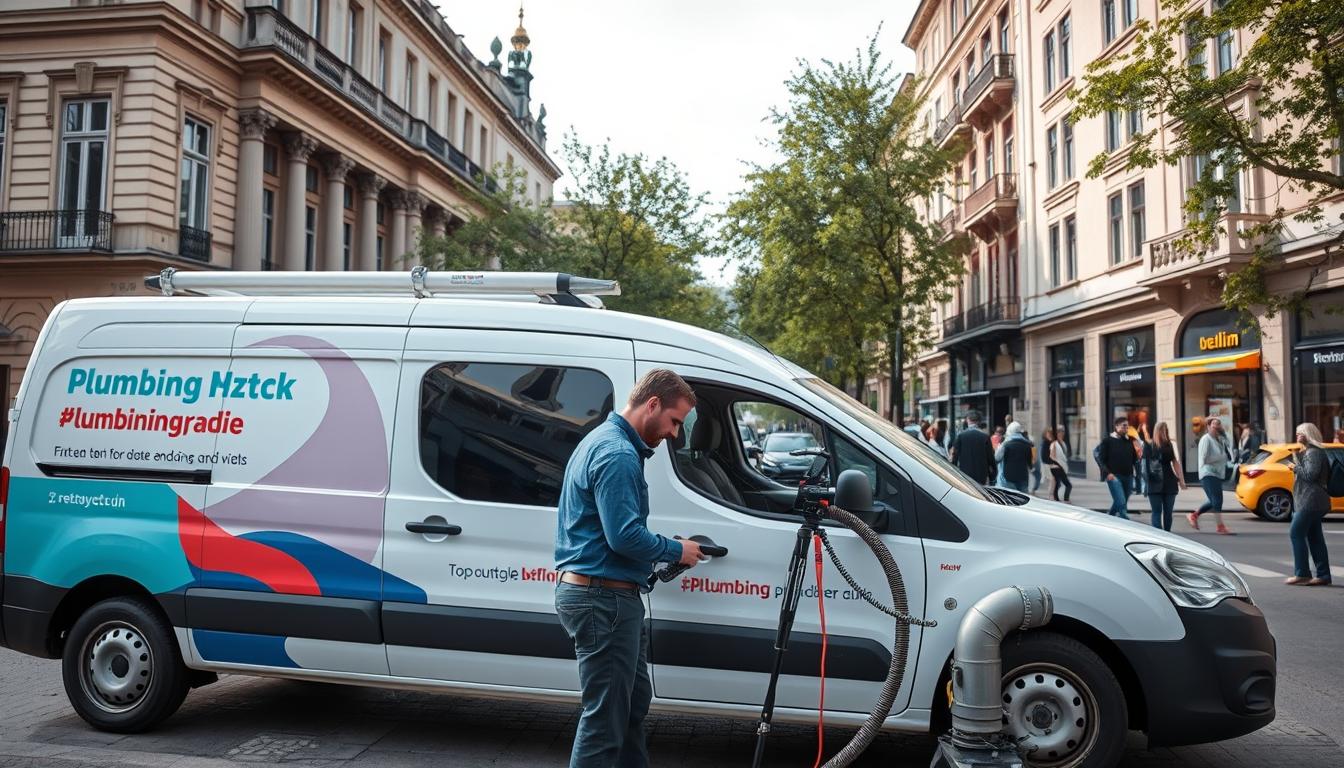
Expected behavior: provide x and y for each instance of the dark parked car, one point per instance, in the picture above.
(777, 463)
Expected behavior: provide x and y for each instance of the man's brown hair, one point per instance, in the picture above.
(663, 384)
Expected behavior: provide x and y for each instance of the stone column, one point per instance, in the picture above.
(439, 224)
(333, 212)
(247, 238)
(397, 241)
(300, 147)
(370, 186)
(415, 209)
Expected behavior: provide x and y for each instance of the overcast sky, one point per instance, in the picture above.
(689, 79)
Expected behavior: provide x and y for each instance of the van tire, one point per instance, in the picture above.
(1275, 505)
(1045, 673)
(111, 648)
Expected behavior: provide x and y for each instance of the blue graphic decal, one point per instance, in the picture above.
(242, 648)
(338, 574)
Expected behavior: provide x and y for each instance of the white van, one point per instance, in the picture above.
(362, 489)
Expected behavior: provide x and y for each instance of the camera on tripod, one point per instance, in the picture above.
(852, 491)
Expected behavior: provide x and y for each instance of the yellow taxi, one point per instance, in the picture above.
(1265, 483)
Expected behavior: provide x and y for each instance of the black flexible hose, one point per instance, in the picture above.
(900, 645)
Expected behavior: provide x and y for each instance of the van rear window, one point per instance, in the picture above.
(504, 432)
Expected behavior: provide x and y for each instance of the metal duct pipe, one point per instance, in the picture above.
(977, 665)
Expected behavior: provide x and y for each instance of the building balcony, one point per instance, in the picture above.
(268, 29)
(950, 224)
(991, 208)
(991, 321)
(193, 243)
(951, 129)
(65, 230)
(990, 93)
(1170, 264)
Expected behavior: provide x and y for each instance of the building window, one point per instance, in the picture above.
(347, 237)
(989, 156)
(1107, 21)
(1219, 171)
(1137, 226)
(450, 125)
(310, 178)
(1197, 55)
(1054, 256)
(1008, 152)
(309, 238)
(480, 422)
(347, 197)
(1065, 47)
(83, 166)
(1052, 156)
(485, 146)
(1226, 57)
(985, 50)
(270, 160)
(1133, 124)
(1049, 61)
(384, 63)
(1066, 128)
(317, 18)
(267, 227)
(537, 195)
(1112, 130)
(194, 205)
(956, 90)
(378, 254)
(974, 167)
(1070, 249)
(1131, 14)
(952, 16)
(1116, 228)
(468, 125)
(409, 88)
(354, 22)
(432, 105)
(378, 216)
(1005, 34)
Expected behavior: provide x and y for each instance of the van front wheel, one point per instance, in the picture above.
(121, 667)
(1062, 703)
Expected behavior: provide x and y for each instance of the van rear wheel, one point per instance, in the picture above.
(121, 667)
(1062, 703)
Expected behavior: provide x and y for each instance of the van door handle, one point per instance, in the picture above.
(708, 547)
(434, 528)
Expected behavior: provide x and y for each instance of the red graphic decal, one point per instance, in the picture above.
(229, 554)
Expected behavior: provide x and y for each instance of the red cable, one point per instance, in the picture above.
(821, 609)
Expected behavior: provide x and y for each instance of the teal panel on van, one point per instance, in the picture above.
(62, 531)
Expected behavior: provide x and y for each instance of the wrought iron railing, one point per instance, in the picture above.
(1000, 186)
(84, 229)
(193, 243)
(999, 66)
(947, 124)
(1006, 309)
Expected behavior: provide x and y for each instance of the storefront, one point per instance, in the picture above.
(969, 392)
(1131, 379)
(1067, 401)
(1318, 365)
(1218, 376)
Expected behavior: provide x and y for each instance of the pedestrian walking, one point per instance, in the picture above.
(1015, 457)
(1059, 459)
(1311, 500)
(996, 438)
(1249, 443)
(1164, 474)
(972, 452)
(1116, 458)
(1215, 464)
(604, 552)
(938, 437)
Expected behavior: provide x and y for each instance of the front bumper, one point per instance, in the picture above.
(1216, 683)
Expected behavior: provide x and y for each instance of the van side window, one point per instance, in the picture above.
(504, 432)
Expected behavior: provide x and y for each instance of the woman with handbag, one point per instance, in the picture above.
(1059, 460)
(1215, 465)
(1311, 500)
(1162, 468)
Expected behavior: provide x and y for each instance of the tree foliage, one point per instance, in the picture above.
(836, 252)
(1290, 126)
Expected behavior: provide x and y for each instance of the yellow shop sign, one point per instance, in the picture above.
(1220, 340)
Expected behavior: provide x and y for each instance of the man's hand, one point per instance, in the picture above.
(1109, 477)
(690, 551)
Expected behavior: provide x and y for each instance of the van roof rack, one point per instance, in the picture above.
(420, 282)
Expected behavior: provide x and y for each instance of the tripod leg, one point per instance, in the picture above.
(788, 610)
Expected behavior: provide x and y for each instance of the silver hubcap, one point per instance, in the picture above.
(117, 667)
(1279, 505)
(1050, 713)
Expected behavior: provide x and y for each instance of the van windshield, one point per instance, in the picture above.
(915, 449)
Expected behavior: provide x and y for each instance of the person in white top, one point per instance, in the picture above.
(1058, 460)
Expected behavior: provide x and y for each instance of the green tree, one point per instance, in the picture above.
(1294, 76)
(841, 254)
(637, 221)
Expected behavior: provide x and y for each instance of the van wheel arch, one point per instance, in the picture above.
(940, 719)
(84, 596)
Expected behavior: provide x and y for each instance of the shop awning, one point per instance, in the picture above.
(1238, 361)
(938, 399)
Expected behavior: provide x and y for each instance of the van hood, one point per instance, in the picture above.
(1101, 528)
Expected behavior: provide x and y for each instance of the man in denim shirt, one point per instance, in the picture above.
(605, 552)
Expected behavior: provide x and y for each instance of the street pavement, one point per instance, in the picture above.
(252, 721)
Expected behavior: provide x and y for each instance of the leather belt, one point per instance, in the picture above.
(579, 579)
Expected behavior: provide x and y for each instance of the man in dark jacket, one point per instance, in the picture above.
(1116, 457)
(972, 452)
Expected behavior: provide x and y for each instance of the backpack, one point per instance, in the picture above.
(1334, 484)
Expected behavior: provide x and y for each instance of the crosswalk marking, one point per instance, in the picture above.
(1256, 571)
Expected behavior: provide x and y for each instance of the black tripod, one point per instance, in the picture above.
(812, 499)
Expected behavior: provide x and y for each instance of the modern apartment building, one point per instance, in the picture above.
(246, 134)
(1107, 318)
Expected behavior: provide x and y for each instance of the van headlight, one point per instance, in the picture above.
(1192, 581)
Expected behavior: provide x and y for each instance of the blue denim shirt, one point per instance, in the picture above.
(604, 508)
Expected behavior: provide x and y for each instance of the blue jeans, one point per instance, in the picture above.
(1213, 491)
(1121, 487)
(607, 627)
(1035, 476)
(1006, 483)
(1163, 505)
(1307, 536)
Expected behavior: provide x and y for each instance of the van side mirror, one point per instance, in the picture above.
(853, 492)
(754, 452)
